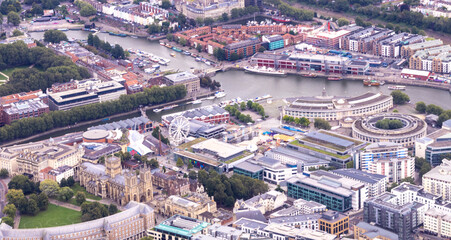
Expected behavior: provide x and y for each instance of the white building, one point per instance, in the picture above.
(376, 184)
(438, 222)
(388, 159)
(438, 180)
(292, 157)
(62, 172)
(264, 202)
(274, 171)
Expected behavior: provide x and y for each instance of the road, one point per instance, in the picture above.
(3, 191)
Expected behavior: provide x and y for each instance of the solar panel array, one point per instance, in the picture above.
(331, 139)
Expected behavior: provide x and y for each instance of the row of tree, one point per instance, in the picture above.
(235, 111)
(30, 126)
(30, 205)
(117, 51)
(303, 121)
(443, 115)
(52, 68)
(256, 107)
(86, 9)
(321, 124)
(227, 190)
(54, 36)
(399, 97)
(290, 11)
(240, 12)
(95, 210)
(207, 82)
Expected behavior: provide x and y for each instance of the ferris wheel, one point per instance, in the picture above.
(179, 130)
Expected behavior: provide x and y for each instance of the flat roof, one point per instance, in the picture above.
(249, 166)
(330, 139)
(360, 175)
(181, 77)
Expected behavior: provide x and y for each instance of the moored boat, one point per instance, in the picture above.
(172, 54)
(157, 110)
(220, 94)
(264, 70)
(373, 82)
(334, 78)
(397, 87)
(176, 49)
(170, 107)
(198, 101)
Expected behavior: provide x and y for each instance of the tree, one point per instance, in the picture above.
(50, 188)
(154, 163)
(43, 201)
(190, 165)
(420, 107)
(183, 41)
(4, 173)
(225, 17)
(70, 181)
(350, 164)
(234, 56)
(93, 210)
(10, 210)
(164, 169)
(8, 220)
(32, 207)
(17, 32)
(112, 209)
(63, 182)
(65, 194)
(14, 18)
(192, 175)
(342, 22)
(13, 196)
(261, 49)
(434, 109)
(87, 10)
(22, 182)
(199, 48)
(399, 97)
(389, 124)
(409, 180)
(80, 198)
(208, 21)
(321, 124)
(166, 4)
(179, 162)
(54, 36)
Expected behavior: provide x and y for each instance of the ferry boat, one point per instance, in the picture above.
(157, 110)
(198, 101)
(264, 70)
(334, 78)
(172, 54)
(281, 19)
(397, 87)
(373, 82)
(311, 75)
(170, 107)
(176, 49)
(220, 94)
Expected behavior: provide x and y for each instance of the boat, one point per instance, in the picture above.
(133, 36)
(198, 59)
(220, 94)
(156, 66)
(172, 54)
(264, 97)
(170, 107)
(157, 110)
(168, 45)
(210, 98)
(176, 49)
(264, 70)
(162, 43)
(63, 29)
(373, 82)
(397, 87)
(281, 19)
(186, 53)
(334, 78)
(311, 75)
(117, 34)
(198, 101)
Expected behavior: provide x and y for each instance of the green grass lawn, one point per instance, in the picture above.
(77, 188)
(9, 71)
(52, 217)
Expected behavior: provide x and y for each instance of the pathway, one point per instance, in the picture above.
(6, 76)
(65, 204)
(17, 220)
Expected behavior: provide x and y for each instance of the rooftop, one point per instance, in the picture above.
(181, 77)
(181, 225)
(373, 232)
(359, 175)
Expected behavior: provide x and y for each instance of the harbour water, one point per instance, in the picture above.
(239, 84)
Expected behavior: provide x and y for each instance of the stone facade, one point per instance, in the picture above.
(110, 181)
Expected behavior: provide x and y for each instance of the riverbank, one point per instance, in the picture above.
(145, 109)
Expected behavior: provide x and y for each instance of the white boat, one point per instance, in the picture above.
(198, 59)
(397, 87)
(210, 98)
(157, 110)
(170, 107)
(264, 70)
(156, 66)
(220, 94)
(172, 54)
(162, 44)
(198, 101)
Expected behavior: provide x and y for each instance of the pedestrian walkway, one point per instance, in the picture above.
(65, 204)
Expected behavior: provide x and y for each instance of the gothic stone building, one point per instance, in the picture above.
(110, 181)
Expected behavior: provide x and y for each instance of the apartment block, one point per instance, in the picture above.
(376, 184)
(189, 80)
(438, 180)
(411, 49)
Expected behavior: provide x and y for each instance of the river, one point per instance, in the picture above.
(239, 84)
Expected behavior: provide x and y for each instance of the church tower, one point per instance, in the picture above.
(113, 166)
